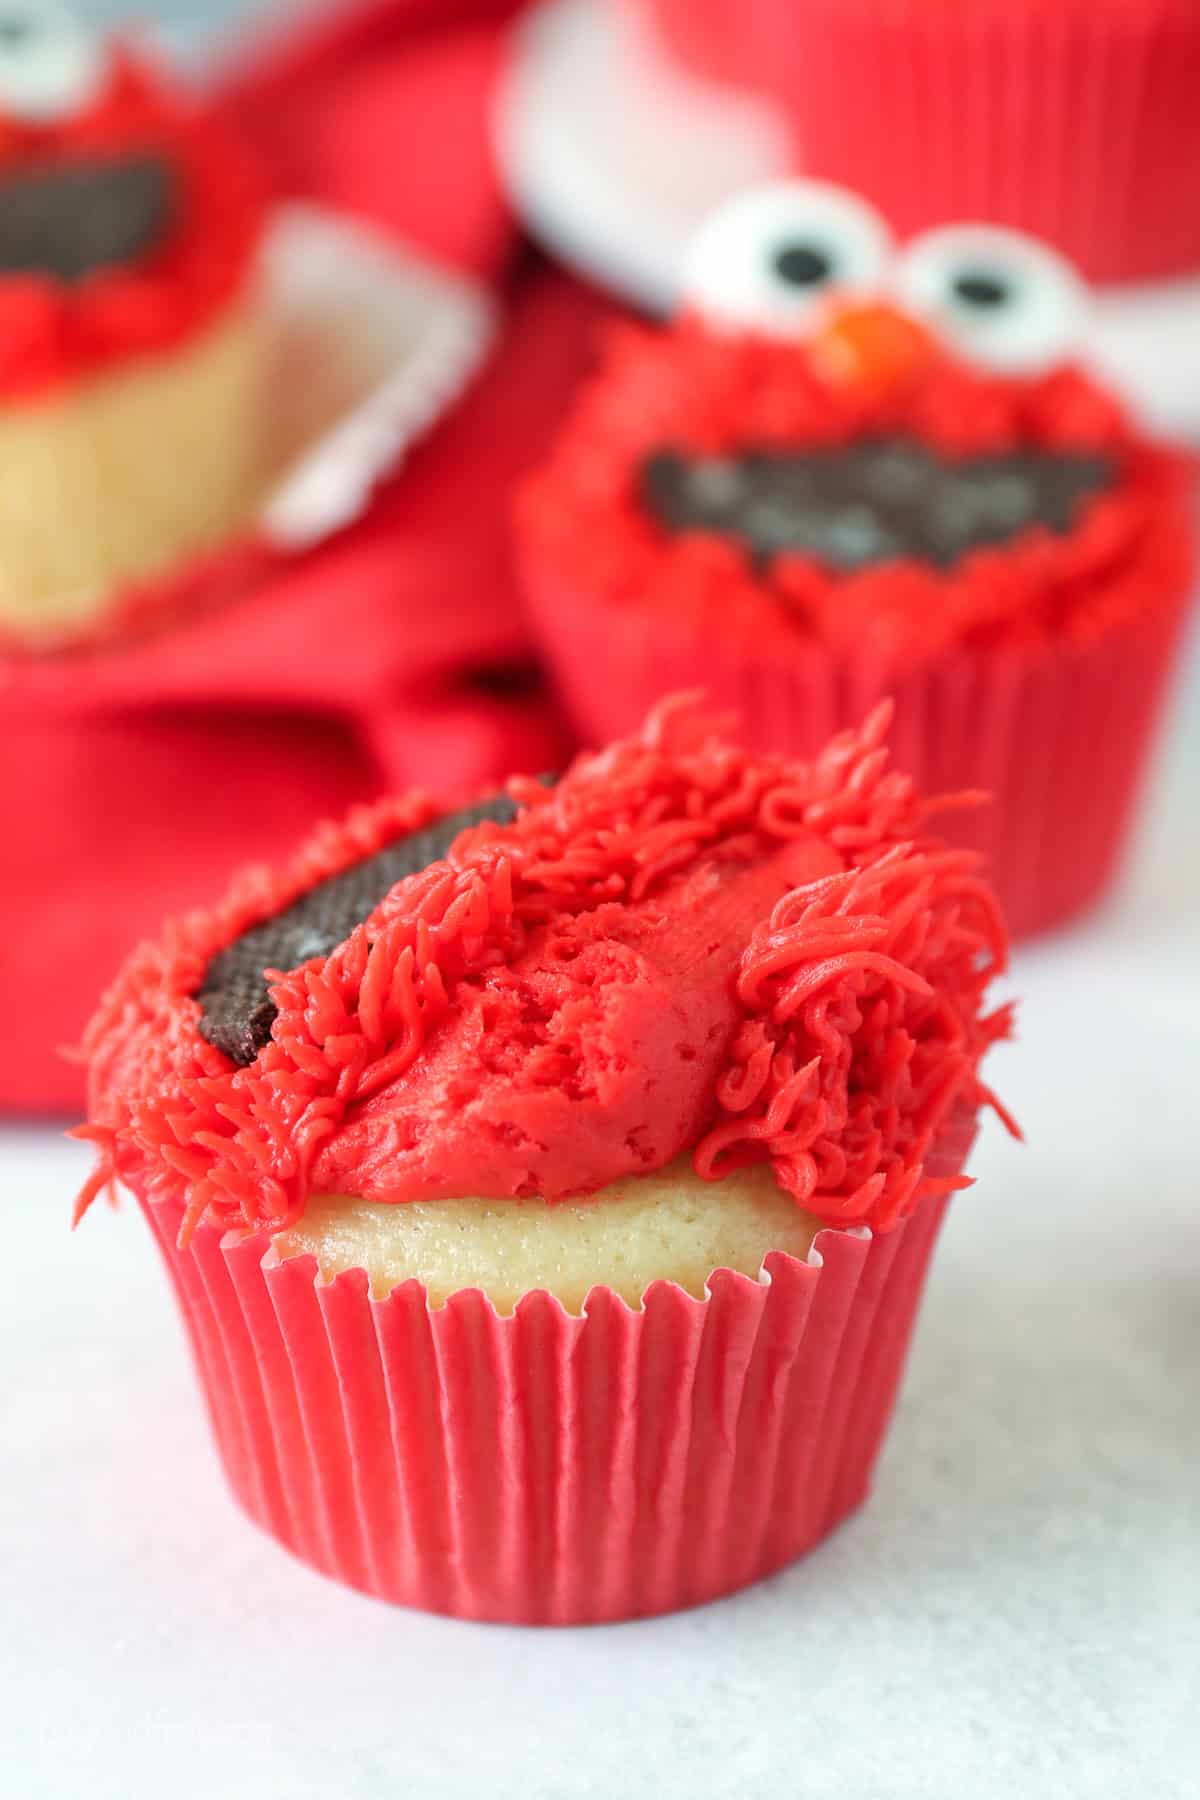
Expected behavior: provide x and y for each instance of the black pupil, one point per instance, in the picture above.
(803, 265)
(979, 289)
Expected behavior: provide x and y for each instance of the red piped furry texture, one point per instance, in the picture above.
(691, 389)
(859, 1021)
(52, 332)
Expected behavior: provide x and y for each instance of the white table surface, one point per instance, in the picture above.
(1015, 1614)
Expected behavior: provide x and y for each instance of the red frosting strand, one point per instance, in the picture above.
(857, 1023)
(692, 390)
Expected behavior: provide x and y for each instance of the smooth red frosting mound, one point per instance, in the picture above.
(679, 947)
(52, 332)
(593, 1054)
(693, 390)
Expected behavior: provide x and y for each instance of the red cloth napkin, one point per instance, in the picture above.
(134, 780)
(383, 110)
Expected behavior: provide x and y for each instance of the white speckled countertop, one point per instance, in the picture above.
(1015, 1614)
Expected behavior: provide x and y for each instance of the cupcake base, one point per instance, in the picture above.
(669, 1225)
(1058, 737)
(544, 1468)
(135, 469)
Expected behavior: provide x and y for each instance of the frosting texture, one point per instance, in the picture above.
(715, 402)
(678, 947)
(54, 330)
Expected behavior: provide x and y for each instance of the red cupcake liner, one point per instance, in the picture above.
(544, 1468)
(1059, 738)
(710, 39)
(1076, 120)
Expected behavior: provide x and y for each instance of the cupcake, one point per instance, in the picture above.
(1071, 119)
(548, 1185)
(842, 474)
(129, 357)
(710, 40)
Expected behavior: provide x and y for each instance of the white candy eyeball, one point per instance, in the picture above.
(997, 296)
(769, 259)
(51, 65)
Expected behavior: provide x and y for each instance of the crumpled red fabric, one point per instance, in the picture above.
(136, 778)
(383, 110)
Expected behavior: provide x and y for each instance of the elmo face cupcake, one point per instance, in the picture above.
(844, 473)
(548, 1186)
(128, 350)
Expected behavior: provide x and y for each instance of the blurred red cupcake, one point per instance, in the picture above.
(1072, 119)
(841, 475)
(130, 348)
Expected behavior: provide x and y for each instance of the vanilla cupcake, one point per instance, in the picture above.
(549, 1185)
(129, 352)
(666, 1226)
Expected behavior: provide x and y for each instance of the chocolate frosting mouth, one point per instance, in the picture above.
(238, 1012)
(872, 502)
(71, 219)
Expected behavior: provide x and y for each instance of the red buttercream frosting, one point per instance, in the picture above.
(691, 389)
(680, 947)
(53, 332)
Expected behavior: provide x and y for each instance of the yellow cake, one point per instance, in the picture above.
(130, 351)
(668, 1226)
(120, 477)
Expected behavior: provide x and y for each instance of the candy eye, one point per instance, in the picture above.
(769, 259)
(51, 66)
(997, 296)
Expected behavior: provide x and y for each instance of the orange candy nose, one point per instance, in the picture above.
(873, 345)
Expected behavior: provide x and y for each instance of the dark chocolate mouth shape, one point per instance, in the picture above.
(869, 502)
(238, 1011)
(71, 219)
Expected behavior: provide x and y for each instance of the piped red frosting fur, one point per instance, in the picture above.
(679, 947)
(52, 332)
(702, 392)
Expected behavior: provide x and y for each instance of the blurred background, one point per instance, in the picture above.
(1017, 1610)
(177, 15)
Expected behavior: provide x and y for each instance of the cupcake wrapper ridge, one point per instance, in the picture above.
(1074, 121)
(1059, 738)
(543, 1468)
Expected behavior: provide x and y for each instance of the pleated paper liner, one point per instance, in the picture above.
(1059, 737)
(1073, 119)
(545, 1468)
(709, 38)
